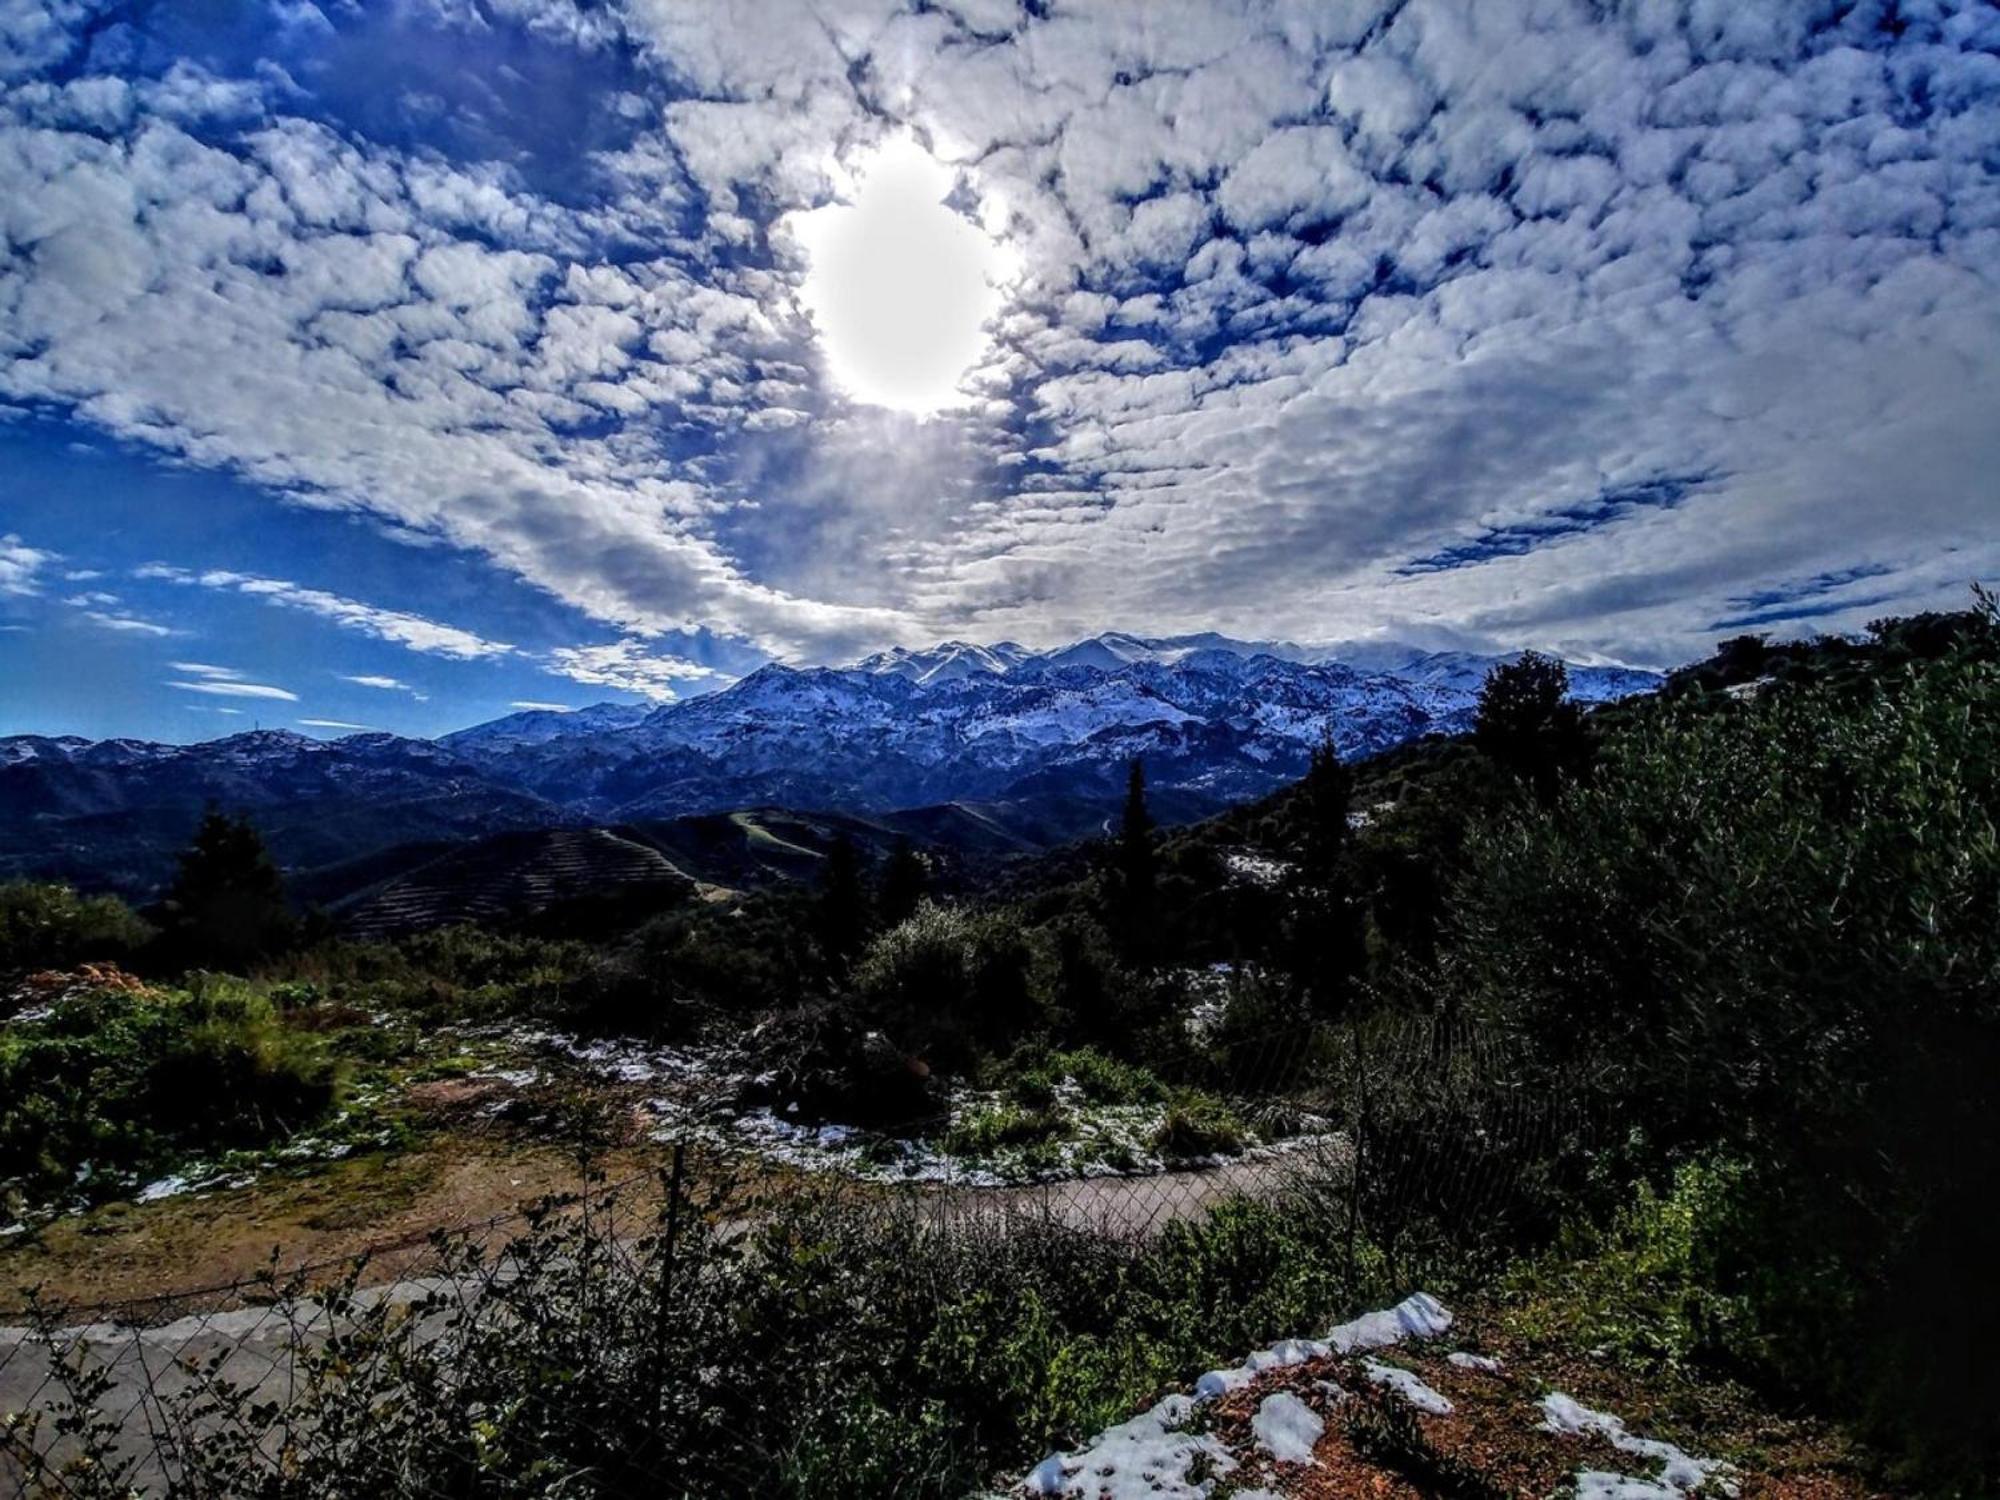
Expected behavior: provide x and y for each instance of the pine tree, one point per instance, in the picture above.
(227, 903)
(1134, 874)
(905, 882)
(1324, 932)
(841, 906)
(1323, 800)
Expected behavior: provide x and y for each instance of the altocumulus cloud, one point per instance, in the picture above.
(1329, 319)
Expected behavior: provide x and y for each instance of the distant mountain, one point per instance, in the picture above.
(1036, 742)
(111, 813)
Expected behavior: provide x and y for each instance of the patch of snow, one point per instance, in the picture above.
(1417, 1316)
(1595, 1484)
(1287, 1428)
(1251, 868)
(1147, 1458)
(516, 1078)
(1406, 1384)
(1467, 1361)
(1679, 1471)
(1280, 1356)
(1150, 1457)
(163, 1187)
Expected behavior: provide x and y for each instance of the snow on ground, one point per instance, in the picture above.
(1286, 1428)
(1679, 1472)
(1248, 867)
(689, 1090)
(1177, 1449)
(1210, 987)
(1151, 1457)
(1155, 1457)
(1418, 1316)
(1405, 1384)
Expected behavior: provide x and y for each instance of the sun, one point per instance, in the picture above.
(901, 285)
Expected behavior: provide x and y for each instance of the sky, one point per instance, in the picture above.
(394, 365)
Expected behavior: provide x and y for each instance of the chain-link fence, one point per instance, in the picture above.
(682, 1332)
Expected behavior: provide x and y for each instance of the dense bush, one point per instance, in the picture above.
(52, 927)
(1772, 928)
(115, 1084)
(834, 1351)
(949, 985)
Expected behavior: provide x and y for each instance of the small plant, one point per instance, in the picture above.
(1385, 1431)
(1198, 1124)
(985, 1131)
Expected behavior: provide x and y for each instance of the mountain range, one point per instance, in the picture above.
(1033, 744)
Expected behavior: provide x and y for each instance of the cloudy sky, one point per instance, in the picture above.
(388, 364)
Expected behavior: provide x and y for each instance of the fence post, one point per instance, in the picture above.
(668, 1251)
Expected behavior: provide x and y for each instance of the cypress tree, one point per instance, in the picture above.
(841, 906)
(905, 882)
(1135, 876)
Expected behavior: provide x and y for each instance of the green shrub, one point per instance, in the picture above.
(1770, 931)
(117, 1084)
(982, 1132)
(52, 927)
(1099, 1078)
(829, 1351)
(1648, 1287)
(1197, 1124)
(948, 985)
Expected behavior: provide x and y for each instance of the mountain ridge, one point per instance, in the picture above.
(1047, 733)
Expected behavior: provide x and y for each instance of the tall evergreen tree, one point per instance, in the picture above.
(840, 912)
(227, 904)
(1324, 796)
(1135, 876)
(905, 882)
(1324, 934)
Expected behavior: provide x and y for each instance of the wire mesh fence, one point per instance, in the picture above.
(670, 1333)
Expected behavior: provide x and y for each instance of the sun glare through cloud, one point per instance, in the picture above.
(901, 286)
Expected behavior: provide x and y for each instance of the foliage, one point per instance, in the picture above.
(829, 1351)
(1098, 1077)
(948, 985)
(905, 882)
(1134, 874)
(117, 1083)
(1198, 1124)
(226, 907)
(52, 927)
(1646, 1286)
(1769, 930)
(1527, 725)
(840, 914)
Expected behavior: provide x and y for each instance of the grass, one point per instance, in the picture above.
(1198, 1124)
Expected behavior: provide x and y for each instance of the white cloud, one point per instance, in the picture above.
(207, 670)
(629, 666)
(384, 684)
(124, 622)
(225, 689)
(19, 565)
(529, 705)
(412, 631)
(330, 724)
(1307, 292)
